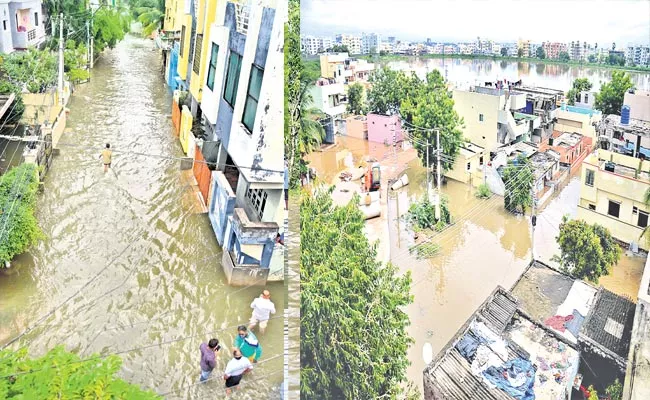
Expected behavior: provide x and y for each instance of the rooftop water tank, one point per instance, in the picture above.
(625, 115)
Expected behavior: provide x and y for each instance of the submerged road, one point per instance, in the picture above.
(157, 261)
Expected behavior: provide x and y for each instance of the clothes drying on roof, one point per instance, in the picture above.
(467, 345)
(517, 372)
(485, 358)
(492, 340)
(557, 322)
(574, 324)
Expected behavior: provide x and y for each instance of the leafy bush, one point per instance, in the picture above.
(615, 390)
(483, 192)
(34, 69)
(18, 226)
(62, 375)
(422, 215)
(15, 111)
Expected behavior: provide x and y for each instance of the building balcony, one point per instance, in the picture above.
(29, 37)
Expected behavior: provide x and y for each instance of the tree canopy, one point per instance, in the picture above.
(353, 337)
(34, 70)
(587, 251)
(540, 53)
(518, 179)
(578, 86)
(62, 375)
(18, 189)
(610, 98)
(564, 56)
(338, 48)
(504, 51)
(355, 99)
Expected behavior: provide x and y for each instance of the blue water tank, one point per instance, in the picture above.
(625, 115)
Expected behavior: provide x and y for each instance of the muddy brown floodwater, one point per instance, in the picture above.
(486, 246)
(164, 282)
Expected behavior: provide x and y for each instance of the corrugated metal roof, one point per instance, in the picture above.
(610, 321)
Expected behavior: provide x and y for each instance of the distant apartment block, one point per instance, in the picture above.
(553, 49)
(637, 55)
(524, 46)
(312, 45)
(578, 51)
(345, 69)
(353, 43)
(370, 43)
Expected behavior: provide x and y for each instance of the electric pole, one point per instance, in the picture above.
(428, 171)
(533, 220)
(439, 153)
(92, 45)
(88, 46)
(60, 80)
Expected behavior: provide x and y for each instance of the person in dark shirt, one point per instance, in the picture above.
(208, 358)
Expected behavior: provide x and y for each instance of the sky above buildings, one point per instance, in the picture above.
(595, 21)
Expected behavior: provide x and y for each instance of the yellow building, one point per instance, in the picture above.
(612, 194)
(205, 17)
(174, 10)
(469, 165)
(185, 50)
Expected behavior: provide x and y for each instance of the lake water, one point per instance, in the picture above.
(555, 76)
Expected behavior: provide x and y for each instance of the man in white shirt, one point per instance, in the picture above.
(236, 369)
(262, 307)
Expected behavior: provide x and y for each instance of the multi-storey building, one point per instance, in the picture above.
(174, 10)
(553, 49)
(22, 25)
(344, 69)
(369, 43)
(353, 43)
(578, 51)
(524, 46)
(243, 122)
(310, 45)
(637, 55)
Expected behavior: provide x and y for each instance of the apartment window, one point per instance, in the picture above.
(642, 222)
(592, 207)
(198, 47)
(4, 24)
(232, 78)
(253, 97)
(36, 18)
(480, 161)
(635, 210)
(212, 69)
(614, 208)
(469, 166)
(586, 100)
(257, 198)
(182, 40)
(480, 118)
(589, 179)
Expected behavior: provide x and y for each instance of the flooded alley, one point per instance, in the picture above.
(160, 289)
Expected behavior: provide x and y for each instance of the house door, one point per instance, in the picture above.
(202, 174)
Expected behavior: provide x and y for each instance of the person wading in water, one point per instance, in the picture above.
(107, 156)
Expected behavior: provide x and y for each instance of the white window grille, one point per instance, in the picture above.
(242, 14)
(257, 198)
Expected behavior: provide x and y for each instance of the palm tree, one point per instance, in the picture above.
(151, 15)
(311, 133)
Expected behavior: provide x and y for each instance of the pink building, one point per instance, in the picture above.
(384, 129)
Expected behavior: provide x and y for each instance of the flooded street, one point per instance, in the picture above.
(160, 289)
(487, 246)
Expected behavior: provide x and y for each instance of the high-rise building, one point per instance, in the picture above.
(637, 55)
(353, 43)
(369, 43)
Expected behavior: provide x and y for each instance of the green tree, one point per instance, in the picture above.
(564, 56)
(15, 111)
(338, 48)
(389, 88)
(610, 98)
(62, 375)
(578, 86)
(615, 390)
(383, 53)
(433, 108)
(353, 337)
(75, 60)
(520, 52)
(20, 230)
(586, 251)
(518, 179)
(504, 51)
(540, 53)
(150, 13)
(108, 28)
(422, 214)
(592, 58)
(35, 70)
(355, 99)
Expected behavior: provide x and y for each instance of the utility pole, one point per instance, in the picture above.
(439, 153)
(428, 171)
(60, 81)
(92, 44)
(88, 46)
(533, 220)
